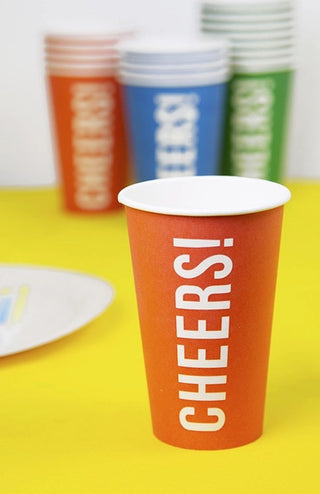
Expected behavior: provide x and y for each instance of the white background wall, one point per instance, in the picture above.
(26, 156)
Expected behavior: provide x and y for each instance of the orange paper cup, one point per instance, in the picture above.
(205, 254)
(89, 132)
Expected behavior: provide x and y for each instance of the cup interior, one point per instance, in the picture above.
(204, 195)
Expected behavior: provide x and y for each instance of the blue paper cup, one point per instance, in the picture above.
(174, 99)
(175, 130)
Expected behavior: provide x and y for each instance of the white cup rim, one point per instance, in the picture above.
(137, 68)
(249, 27)
(174, 46)
(204, 195)
(181, 80)
(251, 5)
(248, 17)
(270, 65)
(262, 55)
(80, 50)
(84, 65)
(81, 59)
(82, 71)
(76, 36)
(264, 44)
(252, 36)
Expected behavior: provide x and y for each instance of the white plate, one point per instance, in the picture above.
(40, 305)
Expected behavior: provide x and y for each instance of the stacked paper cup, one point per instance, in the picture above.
(262, 39)
(87, 117)
(175, 94)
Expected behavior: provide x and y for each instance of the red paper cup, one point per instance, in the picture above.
(89, 133)
(205, 254)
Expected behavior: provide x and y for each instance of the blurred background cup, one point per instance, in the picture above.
(205, 316)
(262, 37)
(175, 99)
(87, 117)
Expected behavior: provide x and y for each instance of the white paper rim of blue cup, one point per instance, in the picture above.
(175, 80)
(172, 46)
(212, 195)
(151, 59)
(172, 68)
(180, 51)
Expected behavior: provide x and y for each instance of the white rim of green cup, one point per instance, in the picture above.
(248, 5)
(258, 66)
(264, 45)
(248, 18)
(263, 54)
(212, 195)
(257, 44)
(247, 27)
(252, 36)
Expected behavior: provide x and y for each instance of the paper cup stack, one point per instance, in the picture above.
(175, 99)
(87, 117)
(261, 32)
(262, 45)
(174, 62)
(83, 53)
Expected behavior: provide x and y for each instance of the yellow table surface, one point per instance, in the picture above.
(75, 414)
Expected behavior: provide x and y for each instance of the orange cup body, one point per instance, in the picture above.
(89, 134)
(205, 290)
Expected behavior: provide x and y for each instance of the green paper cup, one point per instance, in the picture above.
(256, 123)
